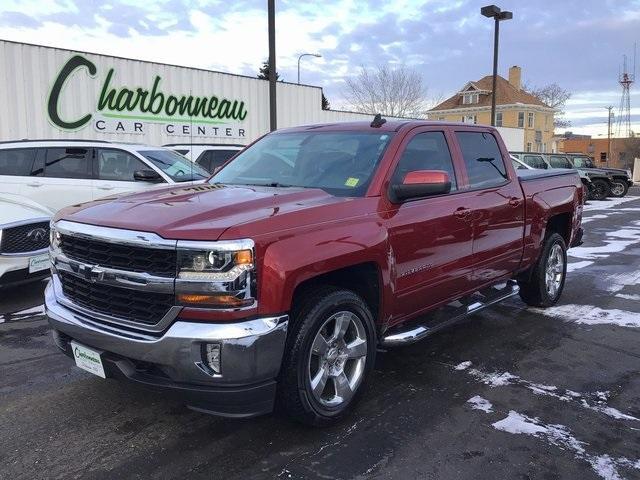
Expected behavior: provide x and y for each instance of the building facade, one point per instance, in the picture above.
(515, 108)
(623, 150)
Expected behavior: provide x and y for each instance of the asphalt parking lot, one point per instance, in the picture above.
(512, 392)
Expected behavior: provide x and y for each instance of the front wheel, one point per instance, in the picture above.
(546, 281)
(329, 356)
(601, 189)
(619, 188)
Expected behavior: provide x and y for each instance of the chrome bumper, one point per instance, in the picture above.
(251, 350)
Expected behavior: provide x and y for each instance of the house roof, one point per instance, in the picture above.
(507, 95)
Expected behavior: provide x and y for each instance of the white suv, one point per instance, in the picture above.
(58, 173)
(208, 156)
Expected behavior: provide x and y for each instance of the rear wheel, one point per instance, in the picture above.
(601, 189)
(544, 286)
(619, 188)
(329, 356)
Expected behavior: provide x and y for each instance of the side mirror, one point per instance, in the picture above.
(421, 183)
(147, 176)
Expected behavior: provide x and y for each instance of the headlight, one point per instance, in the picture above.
(218, 274)
(629, 174)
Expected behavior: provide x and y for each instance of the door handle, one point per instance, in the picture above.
(34, 184)
(514, 201)
(462, 212)
(105, 187)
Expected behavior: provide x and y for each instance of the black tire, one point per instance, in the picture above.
(601, 189)
(534, 290)
(619, 188)
(311, 312)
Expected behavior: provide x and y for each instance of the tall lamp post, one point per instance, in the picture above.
(317, 55)
(491, 11)
(271, 20)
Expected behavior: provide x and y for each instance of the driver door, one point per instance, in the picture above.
(430, 238)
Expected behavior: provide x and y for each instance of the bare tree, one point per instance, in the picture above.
(396, 92)
(555, 97)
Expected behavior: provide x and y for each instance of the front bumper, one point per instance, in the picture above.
(14, 270)
(251, 354)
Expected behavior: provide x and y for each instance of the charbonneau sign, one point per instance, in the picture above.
(121, 109)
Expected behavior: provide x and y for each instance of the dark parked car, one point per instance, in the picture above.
(622, 179)
(601, 182)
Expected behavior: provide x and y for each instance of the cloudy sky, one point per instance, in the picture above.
(578, 44)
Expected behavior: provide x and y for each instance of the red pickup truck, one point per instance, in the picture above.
(274, 283)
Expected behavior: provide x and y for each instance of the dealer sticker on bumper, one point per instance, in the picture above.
(41, 262)
(87, 359)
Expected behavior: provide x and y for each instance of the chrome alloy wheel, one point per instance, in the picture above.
(337, 360)
(617, 189)
(554, 271)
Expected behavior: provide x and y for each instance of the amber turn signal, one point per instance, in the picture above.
(217, 300)
(244, 257)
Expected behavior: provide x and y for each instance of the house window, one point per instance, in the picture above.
(469, 119)
(530, 119)
(469, 98)
(520, 119)
(603, 156)
(528, 146)
(498, 119)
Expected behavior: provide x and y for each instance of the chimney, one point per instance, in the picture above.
(514, 76)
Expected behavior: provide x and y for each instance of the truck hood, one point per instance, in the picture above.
(204, 212)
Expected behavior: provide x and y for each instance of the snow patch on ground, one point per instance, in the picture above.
(479, 403)
(599, 216)
(607, 204)
(571, 267)
(617, 281)
(560, 436)
(596, 401)
(463, 365)
(591, 315)
(628, 296)
(616, 242)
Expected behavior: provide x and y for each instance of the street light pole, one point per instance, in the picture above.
(317, 55)
(609, 108)
(273, 121)
(491, 11)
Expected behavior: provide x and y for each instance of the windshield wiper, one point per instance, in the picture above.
(272, 184)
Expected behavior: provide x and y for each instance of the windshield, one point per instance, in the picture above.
(175, 165)
(341, 163)
(582, 162)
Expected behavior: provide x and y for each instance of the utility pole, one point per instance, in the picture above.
(609, 108)
(273, 121)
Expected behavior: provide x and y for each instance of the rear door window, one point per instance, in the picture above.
(559, 161)
(71, 162)
(117, 165)
(482, 158)
(17, 162)
(535, 161)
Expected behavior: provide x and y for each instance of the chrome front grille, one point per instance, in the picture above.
(137, 306)
(160, 262)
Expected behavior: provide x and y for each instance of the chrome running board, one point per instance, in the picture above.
(451, 313)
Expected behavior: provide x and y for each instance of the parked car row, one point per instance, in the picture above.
(601, 182)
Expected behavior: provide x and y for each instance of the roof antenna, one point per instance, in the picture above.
(378, 121)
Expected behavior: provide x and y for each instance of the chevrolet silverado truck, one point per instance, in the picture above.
(273, 284)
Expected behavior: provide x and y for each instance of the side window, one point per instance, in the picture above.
(17, 161)
(220, 157)
(67, 162)
(118, 165)
(425, 151)
(557, 161)
(534, 161)
(482, 157)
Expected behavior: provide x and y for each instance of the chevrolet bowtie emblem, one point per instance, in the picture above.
(91, 273)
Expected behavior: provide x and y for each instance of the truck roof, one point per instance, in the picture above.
(388, 126)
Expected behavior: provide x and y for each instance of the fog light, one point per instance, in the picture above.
(212, 356)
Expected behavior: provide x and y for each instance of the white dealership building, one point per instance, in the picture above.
(51, 93)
